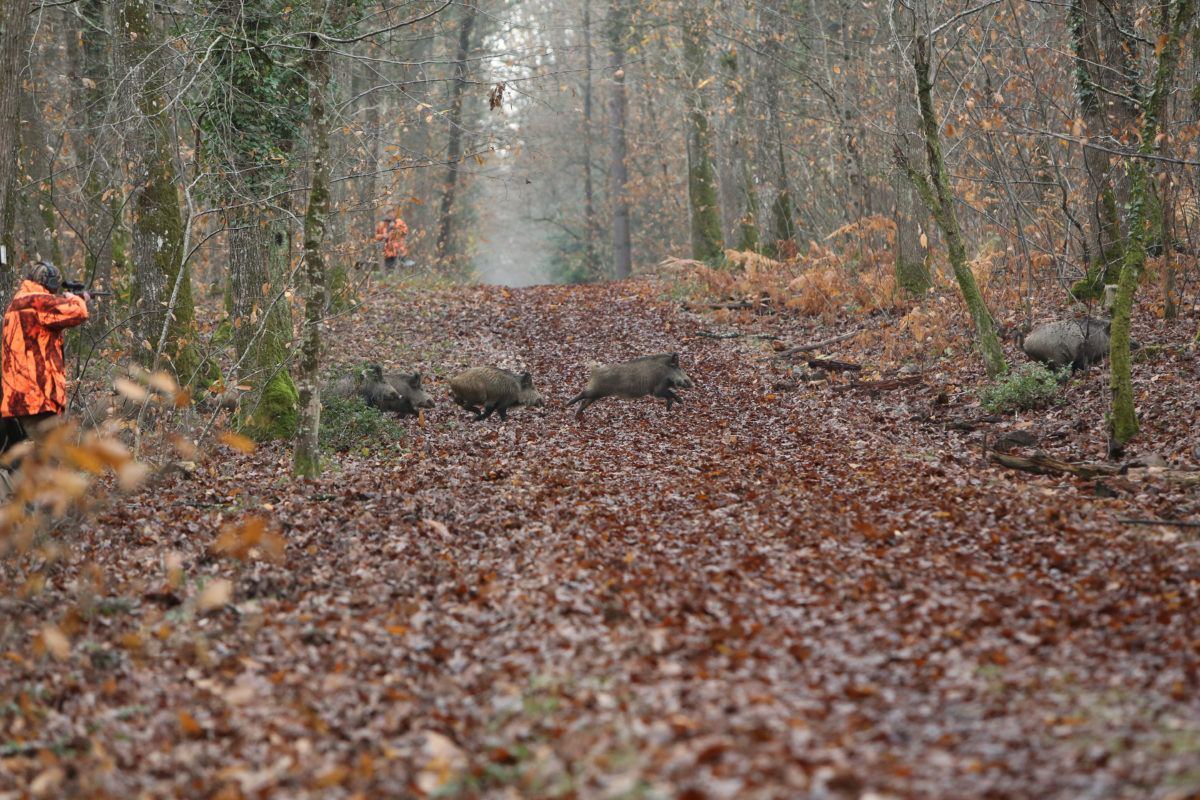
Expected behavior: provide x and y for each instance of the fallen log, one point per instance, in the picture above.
(878, 386)
(831, 364)
(1045, 465)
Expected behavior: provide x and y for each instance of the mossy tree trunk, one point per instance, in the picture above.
(262, 337)
(250, 130)
(1123, 421)
(911, 264)
(940, 202)
(707, 244)
(162, 291)
(307, 452)
(1107, 90)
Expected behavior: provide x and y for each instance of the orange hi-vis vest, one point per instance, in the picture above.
(31, 351)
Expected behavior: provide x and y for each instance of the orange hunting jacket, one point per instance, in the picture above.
(31, 351)
(396, 246)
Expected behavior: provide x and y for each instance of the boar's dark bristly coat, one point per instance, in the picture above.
(412, 396)
(370, 385)
(1074, 343)
(482, 390)
(653, 375)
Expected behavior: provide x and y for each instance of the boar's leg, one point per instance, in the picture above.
(670, 396)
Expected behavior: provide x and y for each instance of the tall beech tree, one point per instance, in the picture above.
(454, 138)
(250, 120)
(164, 311)
(707, 243)
(14, 38)
(619, 143)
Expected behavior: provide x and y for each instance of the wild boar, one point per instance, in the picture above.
(482, 390)
(653, 375)
(1077, 343)
(412, 396)
(371, 387)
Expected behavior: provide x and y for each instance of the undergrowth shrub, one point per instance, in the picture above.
(1029, 386)
(348, 423)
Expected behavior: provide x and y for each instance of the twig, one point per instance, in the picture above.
(814, 346)
(736, 335)
(1178, 522)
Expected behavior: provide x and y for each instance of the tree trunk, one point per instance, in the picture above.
(307, 455)
(97, 156)
(446, 254)
(158, 228)
(622, 247)
(591, 256)
(14, 37)
(1123, 421)
(940, 202)
(912, 254)
(261, 337)
(740, 151)
(1107, 91)
(707, 242)
(36, 219)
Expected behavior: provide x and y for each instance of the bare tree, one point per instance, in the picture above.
(618, 106)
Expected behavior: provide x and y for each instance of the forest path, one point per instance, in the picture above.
(760, 593)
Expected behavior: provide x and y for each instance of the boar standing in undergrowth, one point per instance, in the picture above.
(482, 390)
(1074, 343)
(412, 396)
(371, 387)
(653, 375)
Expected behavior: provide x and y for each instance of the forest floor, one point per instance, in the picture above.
(782, 588)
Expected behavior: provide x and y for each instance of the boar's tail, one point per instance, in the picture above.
(575, 399)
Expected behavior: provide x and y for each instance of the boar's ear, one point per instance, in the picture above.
(414, 380)
(526, 380)
(673, 360)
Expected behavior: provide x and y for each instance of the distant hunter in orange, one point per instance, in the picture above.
(34, 374)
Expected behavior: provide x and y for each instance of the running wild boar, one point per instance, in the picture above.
(482, 390)
(653, 375)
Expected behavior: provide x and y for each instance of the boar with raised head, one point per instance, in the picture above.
(653, 375)
(412, 396)
(482, 390)
(1074, 343)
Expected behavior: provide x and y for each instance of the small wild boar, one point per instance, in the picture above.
(654, 375)
(482, 390)
(1077, 343)
(412, 396)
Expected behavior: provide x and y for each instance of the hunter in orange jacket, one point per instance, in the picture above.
(34, 375)
(396, 244)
